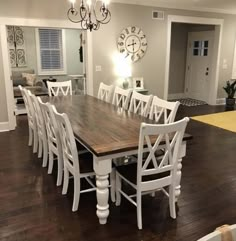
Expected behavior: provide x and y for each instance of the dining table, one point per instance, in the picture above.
(108, 132)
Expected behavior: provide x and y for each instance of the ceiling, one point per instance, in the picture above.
(220, 6)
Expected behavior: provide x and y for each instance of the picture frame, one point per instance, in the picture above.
(138, 83)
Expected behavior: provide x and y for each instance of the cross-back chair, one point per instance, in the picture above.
(163, 111)
(121, 97)
(54, 141)
(33, 132)
(79, 166)
(153, 173)
(140, 104)
(59, 88)
(41, 130)
(105, 92)
(29, 116)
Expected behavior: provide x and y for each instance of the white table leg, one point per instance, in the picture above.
(179, 171)
(102, 169)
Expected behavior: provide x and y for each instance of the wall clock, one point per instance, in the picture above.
(132, 43)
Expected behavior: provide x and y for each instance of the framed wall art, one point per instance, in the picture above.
(138, 83)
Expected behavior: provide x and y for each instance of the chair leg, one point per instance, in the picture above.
(139, 210)
(118, 187)
(76, 194)
(36, 140)
(50, 165)
(65, 181)
(59, 170)
(113, 187)
(40, 148)
(45, 153)
(172, 202)
(30, 137)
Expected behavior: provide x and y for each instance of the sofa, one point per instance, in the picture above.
(18, 79)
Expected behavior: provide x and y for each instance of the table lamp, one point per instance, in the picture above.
(123, 70)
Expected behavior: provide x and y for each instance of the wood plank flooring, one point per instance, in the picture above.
(32, 207)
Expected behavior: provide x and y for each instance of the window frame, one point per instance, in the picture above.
(51, 72)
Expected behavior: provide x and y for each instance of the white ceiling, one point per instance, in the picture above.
(221, 6)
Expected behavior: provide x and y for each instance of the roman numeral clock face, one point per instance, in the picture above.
(132, 43)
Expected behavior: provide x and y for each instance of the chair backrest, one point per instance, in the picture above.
(163, 111)
(22, 90)
(105, 92)
(59, 88)
(38, 114)
(168, 139)
(69, 148)
(51, 126)
(121, 97)
(217, 235)
(29, 106)
(140, 104)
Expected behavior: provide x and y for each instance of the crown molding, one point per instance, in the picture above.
(153, 3)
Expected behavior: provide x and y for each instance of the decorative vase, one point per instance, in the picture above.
(230, 102)
(125, 83)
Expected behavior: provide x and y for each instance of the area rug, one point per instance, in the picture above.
(190, 102)
(224, 120)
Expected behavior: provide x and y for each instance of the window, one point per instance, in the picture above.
(51, 51)
(200, 48)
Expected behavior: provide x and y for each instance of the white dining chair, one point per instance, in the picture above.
(29, 116)
(59, 88)
(105, 92)
(41, 130)
(121, 97)
(152, 173)
(32, 119)
(80, 166)
(140, 104)
(53, 139)
(223, 233)
(163, 111)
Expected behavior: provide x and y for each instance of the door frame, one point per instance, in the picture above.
(43, 23)
(216, 50)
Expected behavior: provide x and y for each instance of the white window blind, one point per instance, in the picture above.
(51, 50)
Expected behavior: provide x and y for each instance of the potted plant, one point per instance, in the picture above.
(230, 89)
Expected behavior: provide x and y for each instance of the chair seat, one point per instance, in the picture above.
(130, 173)
(86, 162)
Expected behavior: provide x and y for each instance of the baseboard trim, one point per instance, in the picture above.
(220, 101)
(4, 126)
(176, 96)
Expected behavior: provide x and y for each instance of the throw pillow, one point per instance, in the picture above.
(30, 78)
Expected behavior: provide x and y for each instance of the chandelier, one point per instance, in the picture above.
(90, 14)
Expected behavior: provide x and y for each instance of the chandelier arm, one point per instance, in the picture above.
(103, 10)
(106, 19)
(72, 11)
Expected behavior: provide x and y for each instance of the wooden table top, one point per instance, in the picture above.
(103, 128)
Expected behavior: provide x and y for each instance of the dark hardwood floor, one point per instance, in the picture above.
(32, 207)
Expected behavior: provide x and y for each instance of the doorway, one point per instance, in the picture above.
(190, 61)
(193, 55)
(11, 124)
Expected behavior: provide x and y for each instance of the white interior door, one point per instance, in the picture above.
(199, 64)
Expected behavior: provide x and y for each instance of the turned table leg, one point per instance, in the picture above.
(102, 169)
(182, 153)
